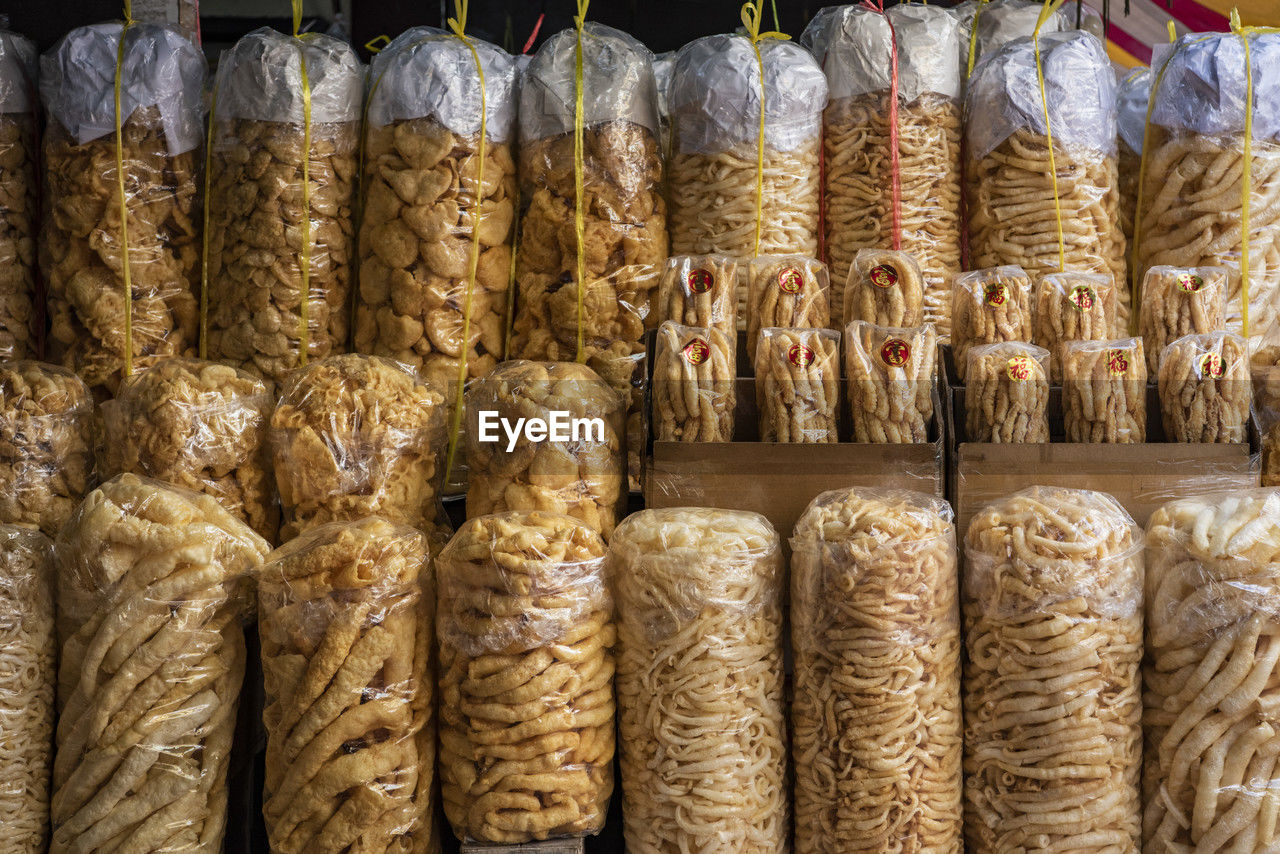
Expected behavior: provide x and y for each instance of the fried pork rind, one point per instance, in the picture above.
(345, 614)
(355, 436)
(700, 681)
(264, 221)
(161, 147)
(699, 290)
(526, 638)
(989, 307)
(46, 444)
(1178, 301)
(1072, 307)
(693, 392)
(199, 425)
(1104, 391)
(1007, 397)
(27, 682)
(1210, 679)
(153, 587)
(584, 476)
(886, 288)
(786, 290)
(875, 627)
(1052, 703)
(798, 385)
(1206, 389)
(892, 374)
(19, 192)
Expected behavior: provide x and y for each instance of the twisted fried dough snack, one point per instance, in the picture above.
(584, 477)
(1008, 393)
(1053, 628)
(152, 591)
(786, 290)
(798, 385)
(1205, 388)
(859, 206)
(693, 392)
(345, 612)
(1178, 301)
(989, 306)
(892, 375)
(526, 679)
(199, 425)
(1072, 307)
(28, 674)
(46, 444)
(699, 290)
(1104, 391)
(703, 721)
(18, 227)
(885, 288)
(354, 436)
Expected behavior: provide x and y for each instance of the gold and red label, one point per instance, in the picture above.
(790, 280)
(1019, 368)
(883, 276)
(1083, 297)
(800, 356)
(995, 294)
(1117, 362)
(1190, 283)
(895, 352)
(696, 351)
(1211, 365)
(700, 280)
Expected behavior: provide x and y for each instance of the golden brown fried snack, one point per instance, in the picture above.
(153, 588)
(892, 374)
(346, 612)
(26, 688)
(1210, 680)
(693, 391)
(199, 425)
(884, 287)
(583, 477)
(1072, 307)
(46, 444)
(526, 679)
(786, 290)
(876, 631)
(81, 252)
(1007, 397)
(798, 385)
(1052, 704)
(18, 227)
(1104, 391)
(355, 436)
(988, 307)
(703, 720)
(699, 290)
(1206, 388)
(1178, 301)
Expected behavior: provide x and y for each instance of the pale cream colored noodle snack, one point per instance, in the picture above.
(699, 290)
(885, 288)
(989, 306)
(1104, 391)
(1206, 389)
(875, 626)
(786, 290)
(892, 375)
(703, 721)
(1072, 307)
(1178, 301)
(526, 639)
(798, 385)
(693, 391)
(1211, 679)
(1007, 397)
(1052, 702)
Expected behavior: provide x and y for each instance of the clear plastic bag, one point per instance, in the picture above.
(19, 192)
(46, 444)
(345, 614)
(526, 637)
(161, 144)
(786, 290)
(1104, 391)
(886, 288)
(154, 583)
(1052, 702)
(1007, 395)
(699, 290)
(1178, 301)
(27, 684)
(989, 306)
(892, 374)
(693, 384)
(581, 474)
(1206, 389)
(199, 425)
(281, 196)
(355, 436)
(875, 627)
(1133, 93)
(699, 597)
(798, 385)
(1072, 307)
(999, 22)
(1210, 680)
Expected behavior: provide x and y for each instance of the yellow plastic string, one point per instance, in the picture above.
(973, 38)
(124, 198)
(304, 260)
(459, 26)
(579, 220)
(1050, 6)
(752, 13)
(204, 244)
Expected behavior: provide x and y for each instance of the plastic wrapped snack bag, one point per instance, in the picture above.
(1072, 307)
(1178, 301)
(886, 288)
(1206, 388)
(1007, 395)
(786, 290)
(798, 385)
(988, 25)
(892, 374)
(990, 307)
(1104, 391)
(699, 290)
(19, 193)
(693, 384)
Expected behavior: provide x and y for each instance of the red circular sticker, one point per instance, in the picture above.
(895, 352)
(1018, 368)
(700, 281)
(800, 356)
(1211, 366)
(995, 293)
(1190, 282)
(883, 276)
(1082, 297)
(1117, 362)
(696, 351)
(790, 281)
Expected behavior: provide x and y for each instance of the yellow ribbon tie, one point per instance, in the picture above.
(124, 197)
(579, 220)
(752, 13)
(973, 38)
(304, 260)
(1050, 6)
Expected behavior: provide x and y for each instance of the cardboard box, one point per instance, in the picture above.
(555, 846)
